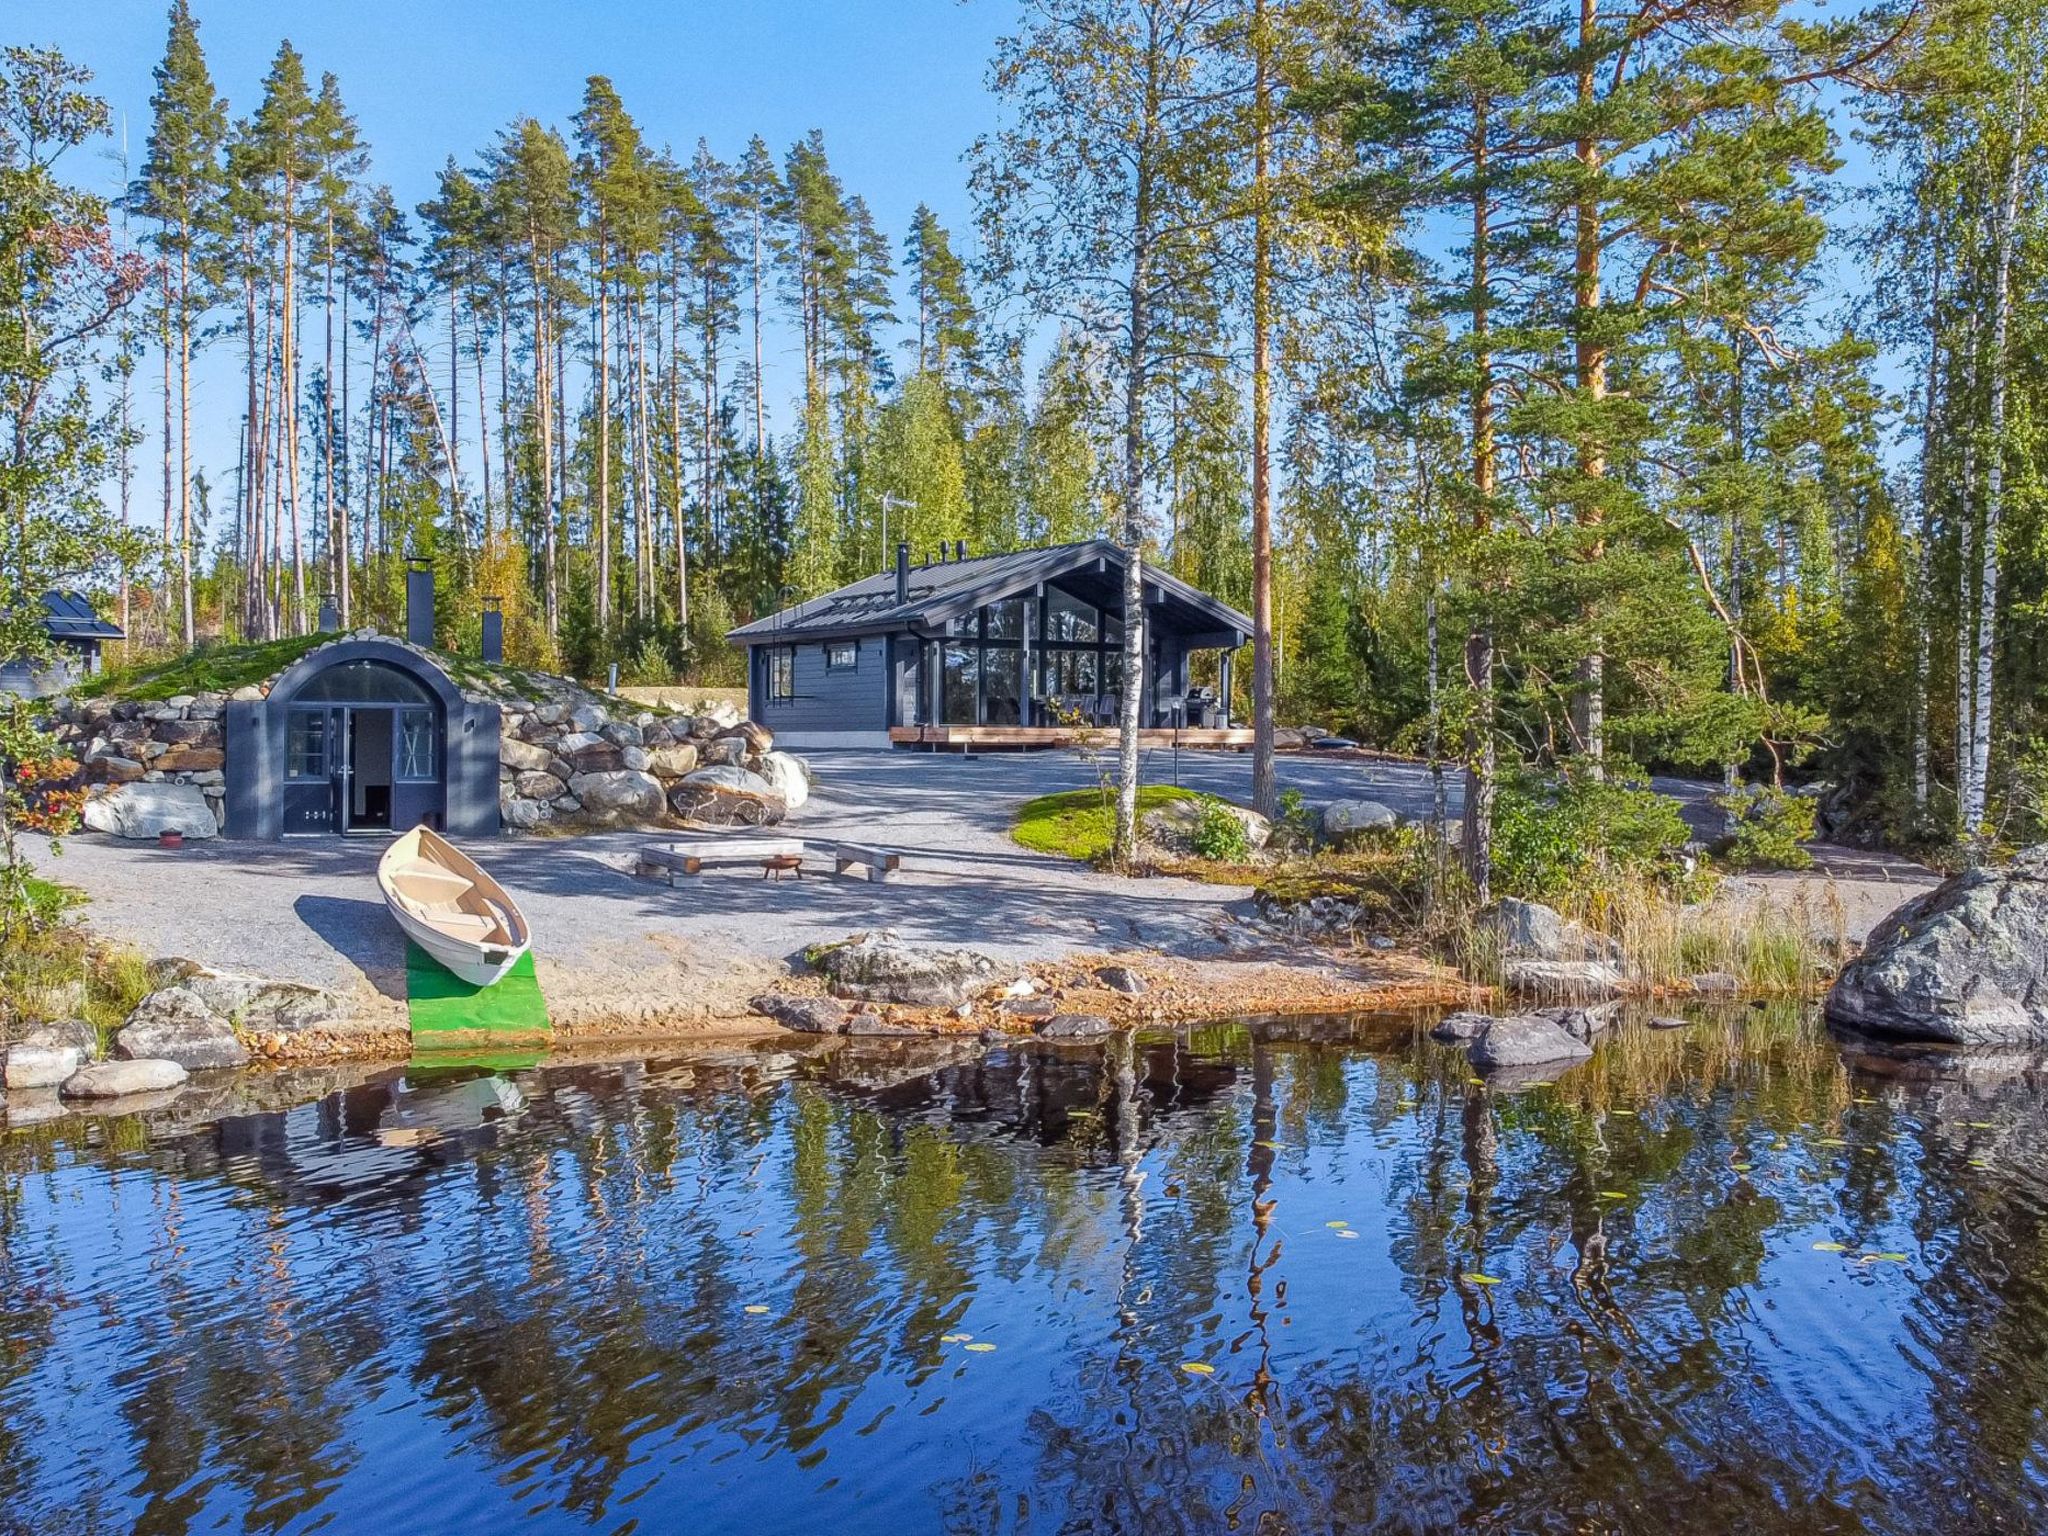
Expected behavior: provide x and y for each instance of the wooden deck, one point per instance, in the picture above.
(990, 738)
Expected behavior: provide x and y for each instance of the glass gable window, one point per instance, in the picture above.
(962, 674)
(1069, 619)
(363, 682)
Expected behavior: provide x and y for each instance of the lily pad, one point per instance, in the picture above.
(757, 1311)
(982, 1348)
(1613, 1194)
(955, 1338)
(1473, 1277)
(1830, 1247)
(1884, 1258)
(1337, 1225)
(1742, 1167)
(1198, 1367)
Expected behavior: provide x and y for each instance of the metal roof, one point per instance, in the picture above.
(67, 616)
(949, 588)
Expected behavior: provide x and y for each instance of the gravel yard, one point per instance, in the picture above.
(614, 945)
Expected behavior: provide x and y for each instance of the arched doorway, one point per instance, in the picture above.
(363, 752)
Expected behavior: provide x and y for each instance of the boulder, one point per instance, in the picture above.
(1563, 980)
(719, 715)
(724, 751)
(634, 758)
(41, 1066)
(1030, 1007)
(672, 762)
(587, 717)
(1074, 1026)
(1172, 825)
(109, 769)
(811, 1015)
(755, 736)
(1528, 930)
(623, 733)
(727, 796)
(785, 775)
(246, 1004)
(62, 1032)
(1462, 1025)
(148, 810)
(1527, 1040)
(175, 1024)
(879, 967)
(572, 742)
(1715, 983)
(621, 796)
(539, 784)
(189, 759)
(521, 815)
(1350, 821)
(1121, 978)
(523, 756)
(189, 733)
(1965, 963)
(599, 757)
(117, 1079)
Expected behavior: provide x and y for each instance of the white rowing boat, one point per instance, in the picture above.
(450, 908)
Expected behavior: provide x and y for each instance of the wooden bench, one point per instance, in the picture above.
(672, 859)
(880, 863)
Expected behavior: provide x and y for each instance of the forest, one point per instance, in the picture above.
(1583, 388)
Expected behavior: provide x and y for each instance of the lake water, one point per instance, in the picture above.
(1720, 1279)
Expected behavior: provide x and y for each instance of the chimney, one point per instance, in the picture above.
(419, 600)
(959, 549)
(902, 573)
(330, 616)
(494, 630)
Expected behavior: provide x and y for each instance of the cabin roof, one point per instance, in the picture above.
(944, 590)
(67, 616)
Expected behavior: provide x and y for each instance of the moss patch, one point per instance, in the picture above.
(1081, 823)
(207, 669)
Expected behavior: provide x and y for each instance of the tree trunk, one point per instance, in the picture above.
(185, 434)
(1476, 840)
(1589, 711)
(1265, 782)
(1994, 482)
(604, 454)
(1924, 556)
(288, 383)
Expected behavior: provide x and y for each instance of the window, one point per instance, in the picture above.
(1001, 675)
(842, 656)
(1069, 619)
(362, 682)
(782, 673)
(305, 747)
(962, 674)
(1070, 674)
(1006, 620)
(416, 744)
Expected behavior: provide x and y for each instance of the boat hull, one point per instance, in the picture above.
(479, 966)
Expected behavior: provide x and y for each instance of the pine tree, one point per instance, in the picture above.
(180, 188)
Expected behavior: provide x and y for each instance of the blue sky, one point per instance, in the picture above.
(897, 87)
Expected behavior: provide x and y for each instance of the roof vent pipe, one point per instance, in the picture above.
(959, 549)
(419, 600)
(902, 573)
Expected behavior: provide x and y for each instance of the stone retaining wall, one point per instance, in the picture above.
(139, 741)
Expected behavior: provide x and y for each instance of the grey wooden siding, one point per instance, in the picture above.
(59, 673)
(840, 699)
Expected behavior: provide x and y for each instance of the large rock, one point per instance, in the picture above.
(1966, 962)
(523, 756)
(1462, 1025)
(189, 760)
(1528, 930)
(600, 757)
(148, 810)
(724, 751)
(109, 769)
(235, 1004)
(118, 1079)
(1172, 825)
(672, 762)
(727, 796)
(811, 1015)
(175, 1024)
(624, 795)
(879, 967)
(41, 1066)
(786, 776)
(1562, 981)
(1528, 1040)
(1350, 821)
(754, 736)
(539, 784)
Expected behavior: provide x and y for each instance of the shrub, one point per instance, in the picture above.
(1219, 835)
(1552, 833)
(1767, 828)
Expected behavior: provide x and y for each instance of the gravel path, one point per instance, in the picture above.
(610, 943)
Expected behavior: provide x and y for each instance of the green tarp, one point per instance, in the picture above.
(450, 1014)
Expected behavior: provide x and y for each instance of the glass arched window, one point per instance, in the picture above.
(363, 682)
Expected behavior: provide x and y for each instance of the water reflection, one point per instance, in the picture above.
(1725, 1278)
